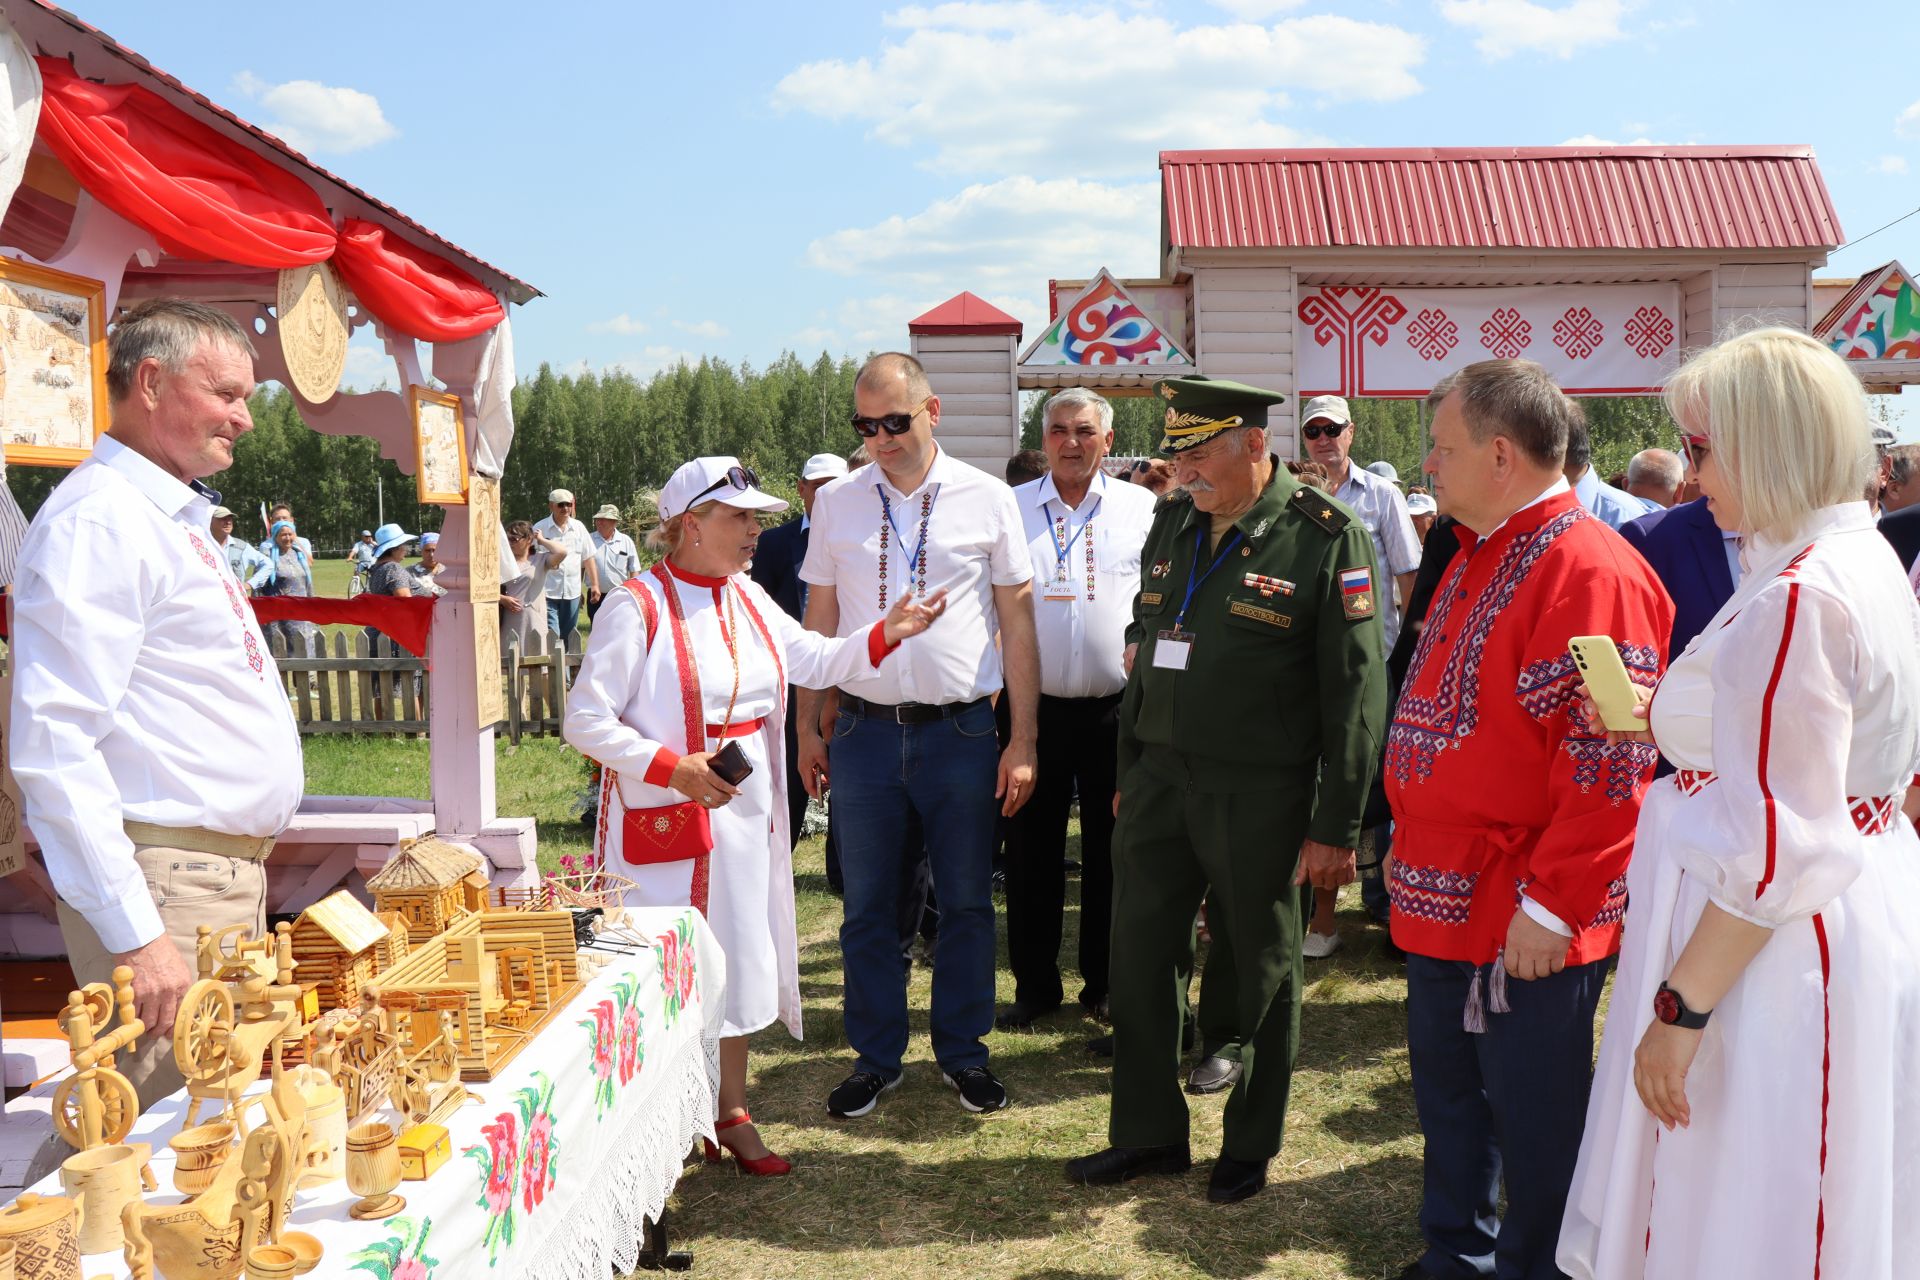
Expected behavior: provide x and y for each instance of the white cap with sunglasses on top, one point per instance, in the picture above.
(721, 480)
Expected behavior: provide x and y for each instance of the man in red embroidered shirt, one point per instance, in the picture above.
(1515, 821)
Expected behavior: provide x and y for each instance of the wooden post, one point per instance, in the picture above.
(512, 676)
(461, 766)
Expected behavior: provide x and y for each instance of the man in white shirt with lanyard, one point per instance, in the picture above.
(133, 655)
(918, 740)
(1084, 532)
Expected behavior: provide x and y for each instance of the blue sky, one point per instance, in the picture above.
(735, 180)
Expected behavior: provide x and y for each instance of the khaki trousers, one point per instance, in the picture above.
(190, 889)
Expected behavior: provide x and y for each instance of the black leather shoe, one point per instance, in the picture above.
(1233, 1180)
(1118, 1164)
(1021, 1017)
(1214, 1075)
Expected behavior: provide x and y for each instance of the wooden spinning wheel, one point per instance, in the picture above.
(203, 1029)
(96, 1001)
(119, 1107)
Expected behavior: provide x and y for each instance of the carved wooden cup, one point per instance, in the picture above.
(103, 1181)
(373, 1171)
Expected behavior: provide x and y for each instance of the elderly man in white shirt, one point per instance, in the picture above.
(615, 558)
(918, 739)
(1084, 532)
(567, 575)
(132, 653)
(1327, 428)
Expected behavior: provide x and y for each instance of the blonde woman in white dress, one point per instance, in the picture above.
(1775, 885)
(629, 708)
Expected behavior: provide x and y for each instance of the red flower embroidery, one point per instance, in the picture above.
(503, 1142)
(536, 1178)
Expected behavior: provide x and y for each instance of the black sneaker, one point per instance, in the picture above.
(978, 1089)
(855, 1096)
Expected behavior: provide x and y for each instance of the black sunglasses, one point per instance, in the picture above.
(894, 424)
(741, 478)
(1332, 431)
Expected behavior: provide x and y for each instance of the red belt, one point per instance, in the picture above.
(738, 729)
(1871, 814)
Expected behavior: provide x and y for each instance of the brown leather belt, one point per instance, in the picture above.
(201, 840)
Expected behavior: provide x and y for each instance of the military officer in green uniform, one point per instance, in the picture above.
(1249, 733)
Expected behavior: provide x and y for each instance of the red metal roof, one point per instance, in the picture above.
(1588, 198)
(517, 290)
(965, 313)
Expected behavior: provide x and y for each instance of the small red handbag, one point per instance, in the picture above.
(672, 833)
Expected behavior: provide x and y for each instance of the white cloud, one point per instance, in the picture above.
(1257, 10)
(702, 328)
(317, 118)
(1907, 123)
(1595, 140)
(1507, 27)
(622, 324)
(368, 365)
(1891, 165)
(642, 364)
(992, 88)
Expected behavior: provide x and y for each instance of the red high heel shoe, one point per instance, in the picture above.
(766, 1166)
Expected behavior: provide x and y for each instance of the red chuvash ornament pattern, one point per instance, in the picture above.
(1351, 315)
(1577, 333)
(1649, 332)
(1432, 334)
(1506, 334)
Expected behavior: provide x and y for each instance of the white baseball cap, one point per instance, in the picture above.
(560, 495)
(715, 479)
(824, 466)
(1421, 504)
(1332, 408)
(1385, 470)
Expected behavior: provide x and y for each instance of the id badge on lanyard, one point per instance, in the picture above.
(1173, 648)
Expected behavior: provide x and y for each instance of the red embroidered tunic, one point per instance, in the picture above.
(1498, 784)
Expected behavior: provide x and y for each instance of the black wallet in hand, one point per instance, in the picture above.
(730, 764)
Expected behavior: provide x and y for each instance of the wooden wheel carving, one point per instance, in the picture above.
(119, 1107)
(201, 1031)
(99, 1002)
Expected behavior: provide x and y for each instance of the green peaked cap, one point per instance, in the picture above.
(1200, 408)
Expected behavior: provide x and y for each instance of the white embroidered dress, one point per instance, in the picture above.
(1794, 719)
(626, 711)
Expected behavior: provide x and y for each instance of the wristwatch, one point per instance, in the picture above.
(1672, 1010)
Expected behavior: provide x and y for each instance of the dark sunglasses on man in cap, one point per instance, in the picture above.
(894, 424)
(737, 477)
(1332, 430)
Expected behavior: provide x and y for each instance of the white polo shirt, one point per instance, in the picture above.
(1086, 569)
(973, 543)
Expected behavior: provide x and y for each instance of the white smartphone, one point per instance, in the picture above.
(1606, 677)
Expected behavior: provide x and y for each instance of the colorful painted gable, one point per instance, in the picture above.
(1879, 319)
(1105, 326)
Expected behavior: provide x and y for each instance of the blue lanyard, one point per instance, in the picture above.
(1193, 583)
(886, 509)
(1060, 553)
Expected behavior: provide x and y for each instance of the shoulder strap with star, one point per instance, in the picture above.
(1320, 510)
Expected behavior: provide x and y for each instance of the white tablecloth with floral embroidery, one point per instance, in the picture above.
(580, 1139)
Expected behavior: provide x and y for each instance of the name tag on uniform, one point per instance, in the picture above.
(1173, 649)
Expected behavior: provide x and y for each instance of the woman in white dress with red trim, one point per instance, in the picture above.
(689, 658)
(1756, 1109)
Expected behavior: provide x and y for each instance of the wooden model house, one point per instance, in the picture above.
(337, 948)
(398, 941)
(424, 882)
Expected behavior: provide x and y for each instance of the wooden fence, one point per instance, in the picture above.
(376, 687)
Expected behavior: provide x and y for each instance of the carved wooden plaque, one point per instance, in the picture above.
(313, 329)
(483, 539)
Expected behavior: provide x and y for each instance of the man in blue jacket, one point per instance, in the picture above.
(1696, 561)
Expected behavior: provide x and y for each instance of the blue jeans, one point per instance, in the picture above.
(562, 617)
(1510, 1100)
(885, 775)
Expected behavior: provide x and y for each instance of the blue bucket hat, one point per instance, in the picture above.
(387, 537)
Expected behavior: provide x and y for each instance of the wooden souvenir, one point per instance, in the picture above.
(439, 446)
(6, 1260)
(103, 1181)
(423, 883)
(307, 1250)
(373, 1171)
(398, 941)
(585, 889)
(199, 1153)
(45, 1233)
(97, 1104)
(312, 318)
(501, 975)
(336, 947)
(423, 1149)
(53, 349)
(234, 1019)
(323, 1154)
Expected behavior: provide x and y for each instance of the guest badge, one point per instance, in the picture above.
(1173, 649)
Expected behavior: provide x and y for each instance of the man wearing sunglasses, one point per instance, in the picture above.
(565, 579)
(919, 742)
(1327, 435)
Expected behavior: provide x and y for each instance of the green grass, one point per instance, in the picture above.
(920, 1188)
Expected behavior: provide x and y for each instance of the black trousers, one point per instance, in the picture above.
(1076, 749)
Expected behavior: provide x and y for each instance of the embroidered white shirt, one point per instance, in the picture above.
(1083, 600)
(140, 682)
(974, 543)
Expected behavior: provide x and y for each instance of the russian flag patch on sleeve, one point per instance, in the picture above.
(1356, 592)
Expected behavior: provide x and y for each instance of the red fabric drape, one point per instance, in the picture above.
(200, 193)
(406, 620)
(416, 292)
